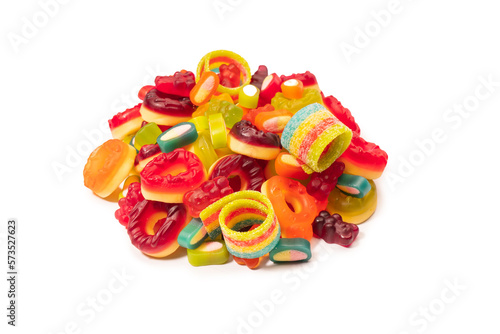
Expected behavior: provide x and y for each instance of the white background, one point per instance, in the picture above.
(437, 222)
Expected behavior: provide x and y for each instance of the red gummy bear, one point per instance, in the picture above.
(252, 113)
(127, 203)
(179, 84)
(229, 75)
(334, 230)
(259, 76)
(343, 114)
(322, 184)
(207, 193)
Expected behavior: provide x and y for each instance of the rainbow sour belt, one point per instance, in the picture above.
(310, 131)
(239, 210)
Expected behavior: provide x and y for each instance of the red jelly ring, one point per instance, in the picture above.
(155, 226)
(246, 168)
(169, 176)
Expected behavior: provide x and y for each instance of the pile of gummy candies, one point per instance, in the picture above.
(224, 162)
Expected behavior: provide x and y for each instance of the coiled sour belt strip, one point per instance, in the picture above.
(315, 137)
(234, 212)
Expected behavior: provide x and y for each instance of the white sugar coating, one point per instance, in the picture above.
(291, 82)
(175, 132)
(210, 246)
(266, 81)
(250, 90)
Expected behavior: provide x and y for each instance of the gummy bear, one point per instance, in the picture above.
(229, 75)
(232, 114)
(308, 79)
(127, 203)
(310, 96)
(259, 76)
(334, 230)
(252, 113)
(179, 84)
(207, 193)
(322, 184)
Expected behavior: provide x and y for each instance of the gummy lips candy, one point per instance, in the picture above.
(224, 163)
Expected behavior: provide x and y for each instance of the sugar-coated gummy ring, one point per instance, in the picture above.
(214, 59)
(297, 223)
(107, 166)
(236, 211)
(169, 176)
(316, 137)
(155, 226)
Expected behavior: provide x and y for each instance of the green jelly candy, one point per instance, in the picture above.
(232, 114)
(208, 253)
(146, 135)
(291, 250)
(193, 235)
(353, 185)
(177, 136)
(204, 149)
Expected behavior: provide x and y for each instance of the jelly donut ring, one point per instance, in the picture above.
(155, 226)
(316, 137)
(248, 169)
(107, 166)
(245, 138)
(165, 109)
(236, 211)
(353, 210)
(296, 223)
(213, 60)
(169, 176)
(126, 122)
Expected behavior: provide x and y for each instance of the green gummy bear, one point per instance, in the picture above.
(232, 114)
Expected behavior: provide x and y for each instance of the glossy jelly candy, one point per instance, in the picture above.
(107, 166)
(249, 97)
(204, 149)
(364, 158)
(259, 76)
(287, 165)
(179, 84)
(143, 91)
(207, 193)
(145, 155)
(231, 113)
(310, 96)
(273, 121)
(333, 230)
(296, 222)
(252, 113)
(177, 136)
(128, 181)
(342, 113)
(229, 75)
(322, 184)
(245, 138)
(308, 79)
(250, 263)
(217, 128)
(234, 212)
(353, 185)
(200, 122)
(169, 176)
(166, 109)
(270, 87)
(193, 235)
(247, 169)
(126, 122)
(127, 203)
(146, 135)
(291, 250)
(204, 88)
(208, 253)
(292, 89)
(213, 60)
(316, 137)
(154, 227)
(353, 210)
